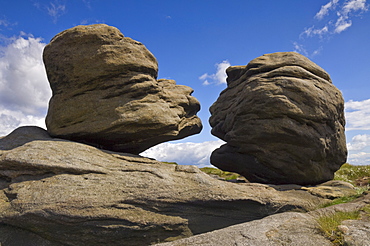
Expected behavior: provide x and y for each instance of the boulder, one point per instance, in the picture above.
(106, 92)
(58, 192)
(282, 120)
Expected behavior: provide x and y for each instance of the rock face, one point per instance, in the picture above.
(58, 192)
(106, 92)
(281, 229)
(289, 228)
(282, 119)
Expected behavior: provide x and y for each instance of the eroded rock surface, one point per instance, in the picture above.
(289, 229)
(95, 197)
(106, 92)
(282, 119)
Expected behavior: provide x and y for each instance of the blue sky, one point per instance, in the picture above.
(194, 41)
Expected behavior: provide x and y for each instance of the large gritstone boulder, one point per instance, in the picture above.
(282, 119)
(106, 92)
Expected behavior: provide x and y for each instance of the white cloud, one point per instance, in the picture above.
(325, 9)
(10, 120)
(361, 158)
(7, 24)
(333, 18)
(217, 78)
(184, 153)
(339, 20)
(357, 115)
(55, 10)
(309, 32)
(4, 22)
(359, 142)
(354, 5)
(342, 24)
(300, 48)
(24, 88)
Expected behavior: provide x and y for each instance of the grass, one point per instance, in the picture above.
(345, 199)
(366, 210)
(165, 162)
(350, 173)
(223, 174)
(329, 225)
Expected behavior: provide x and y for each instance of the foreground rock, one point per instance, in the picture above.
(106, 92)
(283, 121)
(289, 228)
(55, 191)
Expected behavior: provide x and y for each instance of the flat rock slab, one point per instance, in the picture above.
(288, 229)
(95, 197)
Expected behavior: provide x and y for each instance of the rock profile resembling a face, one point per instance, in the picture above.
(282, 119)
(106, 92)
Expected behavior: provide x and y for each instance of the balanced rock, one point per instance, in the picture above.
(106, 92)
(59, 192)
(282, 120)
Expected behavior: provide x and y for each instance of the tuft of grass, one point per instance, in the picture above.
(345, 199)
(166, 162)
(223, 174)
(366, 210)
(328, 225)
(351, 173)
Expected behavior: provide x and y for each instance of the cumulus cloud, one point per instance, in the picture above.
(358, 118)
(361, 158)
(24, 88)
(357, 115)
(184, 153)
(217, 78)
(359, 142)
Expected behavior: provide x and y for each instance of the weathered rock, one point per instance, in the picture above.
(357, 233)
(332, 189)
(289, 229)
(105, 92)
(283, 121)
(95, 197)
(363, 181)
